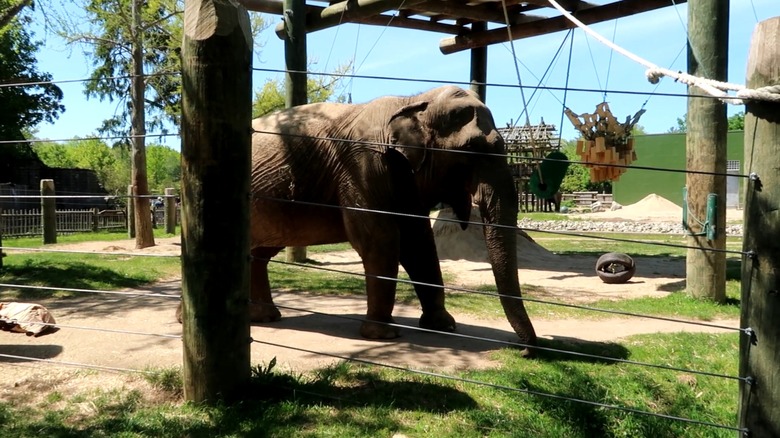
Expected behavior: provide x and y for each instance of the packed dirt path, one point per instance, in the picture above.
(141, 332)
(153, 339)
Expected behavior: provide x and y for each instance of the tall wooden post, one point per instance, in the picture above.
(216, 121)
(295, 79)
(708, 27)
(170, 211)
(130, 212)
(2, 253)
(479, 64)
(48, 212)
(760, 401)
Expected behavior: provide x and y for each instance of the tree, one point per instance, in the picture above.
(22, 107)
(736, 123)
(682, 125)
(134, 46)
(10, 9)
(318, 89)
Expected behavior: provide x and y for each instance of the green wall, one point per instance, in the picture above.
(663, 151)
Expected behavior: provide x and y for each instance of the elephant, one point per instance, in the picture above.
(402, 155)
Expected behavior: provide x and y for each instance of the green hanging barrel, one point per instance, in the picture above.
(546, 179)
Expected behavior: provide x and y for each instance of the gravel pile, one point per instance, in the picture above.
(615, 227)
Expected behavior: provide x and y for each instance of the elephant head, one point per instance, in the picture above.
(458, 155)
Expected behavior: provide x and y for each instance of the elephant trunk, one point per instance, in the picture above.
(497, 200)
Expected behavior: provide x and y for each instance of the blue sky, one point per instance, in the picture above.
(657, 36)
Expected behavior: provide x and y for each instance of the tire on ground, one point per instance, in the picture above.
(615, 268)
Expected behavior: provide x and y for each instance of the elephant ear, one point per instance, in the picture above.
(408, 131)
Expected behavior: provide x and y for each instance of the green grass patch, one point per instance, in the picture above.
(361, 400)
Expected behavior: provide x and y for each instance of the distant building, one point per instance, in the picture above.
(22, 177)
(668, 151)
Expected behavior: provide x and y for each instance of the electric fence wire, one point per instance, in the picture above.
(371, 363)
(117, 137)
(513, 227)
(489, 84)
(507, 388)
(491, 154)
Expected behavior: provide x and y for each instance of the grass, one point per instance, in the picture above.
(82, 271)
(357, 400)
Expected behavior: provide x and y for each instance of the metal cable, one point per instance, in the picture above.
(504, 387)
(520, 298)
(92, 291)
(75, 364)
(117, 137)
(6, 84)
(489, 154)
(482, 224)
(94, 329)
(497, 85)
(517, 344)
(72, 251)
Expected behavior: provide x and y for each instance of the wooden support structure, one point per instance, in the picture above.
(609, 11)
(216, 149)
(48, 212)
(759, 409)
(170, 211)
(295, 79)
(479, 63)
(708, 24)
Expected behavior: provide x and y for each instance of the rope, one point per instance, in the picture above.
(654, 73)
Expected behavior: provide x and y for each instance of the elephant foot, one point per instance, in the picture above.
(264, 312)
(375, 330)
(178, 313)
(440, 320)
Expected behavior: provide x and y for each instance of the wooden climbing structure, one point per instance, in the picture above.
(526, 146)
(606, 146)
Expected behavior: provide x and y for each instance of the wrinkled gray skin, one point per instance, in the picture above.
(295, 166)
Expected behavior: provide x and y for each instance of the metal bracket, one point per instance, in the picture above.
(708, 228)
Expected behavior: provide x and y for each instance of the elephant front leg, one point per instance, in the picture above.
(419, 259)
(261, 305)
(381, 300)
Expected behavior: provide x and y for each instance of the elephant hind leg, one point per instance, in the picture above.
(261, 305)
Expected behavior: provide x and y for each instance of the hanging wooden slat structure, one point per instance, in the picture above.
(606, 145)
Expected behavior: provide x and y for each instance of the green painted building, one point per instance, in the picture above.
(667, 151)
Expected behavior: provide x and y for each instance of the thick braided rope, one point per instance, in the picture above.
(654, 73)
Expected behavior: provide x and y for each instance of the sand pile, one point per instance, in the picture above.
(651, 207)
(453, 243)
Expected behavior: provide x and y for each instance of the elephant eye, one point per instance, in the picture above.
(462, 116)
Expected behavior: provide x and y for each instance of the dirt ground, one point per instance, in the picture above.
(301, 336)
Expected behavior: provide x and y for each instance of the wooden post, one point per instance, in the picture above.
(2, 253)
(479, 64)
(216, 149)
(759, 408)
(48, 212)
(708, 22)
(130, 212)
(295, 79)
(170, 211)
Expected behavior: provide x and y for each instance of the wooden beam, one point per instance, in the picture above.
(481, 12)
(759, 401)
(610, 11)
(346, 12)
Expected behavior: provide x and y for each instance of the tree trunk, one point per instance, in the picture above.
(144, 235)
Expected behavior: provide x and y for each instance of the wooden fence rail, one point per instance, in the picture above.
(18, 223)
